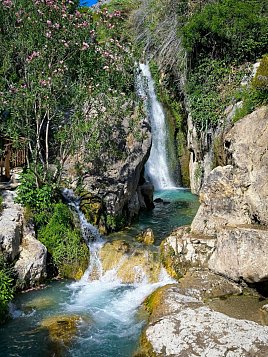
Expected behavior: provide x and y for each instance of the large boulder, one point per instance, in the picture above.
(241, 253)
(19, 245)
(181, 325)
(31, 265)
(183, 250)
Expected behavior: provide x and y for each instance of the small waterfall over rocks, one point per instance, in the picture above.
(157, 167)
(103, 294)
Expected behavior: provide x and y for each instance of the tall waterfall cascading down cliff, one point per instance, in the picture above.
(157, 169)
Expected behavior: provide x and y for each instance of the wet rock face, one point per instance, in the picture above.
(186, 327)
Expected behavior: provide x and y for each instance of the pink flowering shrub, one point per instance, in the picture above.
(54, 58)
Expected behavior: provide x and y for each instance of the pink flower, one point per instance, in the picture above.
(48, 34)
(7, 3)
(85, 46)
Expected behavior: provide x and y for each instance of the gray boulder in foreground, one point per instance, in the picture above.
(183, 326)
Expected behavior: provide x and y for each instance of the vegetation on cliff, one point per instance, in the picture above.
(205, 48)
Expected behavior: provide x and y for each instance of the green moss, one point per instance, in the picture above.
(260, 81)
(145, 349)
(170, 261)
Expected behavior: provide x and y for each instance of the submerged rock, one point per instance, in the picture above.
(184, 326)
(39, 303)
(61, 329)
(130, 263)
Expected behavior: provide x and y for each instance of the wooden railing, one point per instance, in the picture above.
(11, 157)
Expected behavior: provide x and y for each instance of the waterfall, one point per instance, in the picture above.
(157, 167)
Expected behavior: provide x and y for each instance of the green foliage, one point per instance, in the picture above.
(6, 288)
(36, 198)
(251, 98)
(115, 223)
(229, 29)
(57, 232)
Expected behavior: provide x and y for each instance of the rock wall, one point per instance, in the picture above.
(19, 245)
(233, 215)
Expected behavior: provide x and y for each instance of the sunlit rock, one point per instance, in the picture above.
(184, 326)
(130, 263)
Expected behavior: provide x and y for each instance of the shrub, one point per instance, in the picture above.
(6, 288)
(230, 29)
(37, 198)
(63, 241)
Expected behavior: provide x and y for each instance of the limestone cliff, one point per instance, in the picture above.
(229, 233)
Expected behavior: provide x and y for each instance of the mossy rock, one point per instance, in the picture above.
(145, 348)
(260, 81)
(39, 303)
(92, 207)
(146, 237)
(132, 263)
(170, 261)
(62, 328)
(74, 270)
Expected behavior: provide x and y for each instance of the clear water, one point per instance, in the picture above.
(178, 208)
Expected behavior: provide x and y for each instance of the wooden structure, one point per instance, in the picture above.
(11, 156)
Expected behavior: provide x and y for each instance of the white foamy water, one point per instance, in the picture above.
(156, 169)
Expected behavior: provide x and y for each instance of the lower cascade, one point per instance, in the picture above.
(95, 316)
